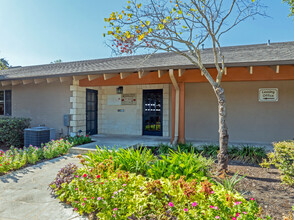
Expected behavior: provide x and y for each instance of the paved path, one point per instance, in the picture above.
(24, 194)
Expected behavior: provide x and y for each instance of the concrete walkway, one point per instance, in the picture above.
(24, 194)
(119, 141)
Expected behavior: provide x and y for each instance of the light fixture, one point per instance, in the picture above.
(119, 90)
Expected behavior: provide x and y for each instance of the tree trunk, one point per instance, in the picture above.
(222, 156)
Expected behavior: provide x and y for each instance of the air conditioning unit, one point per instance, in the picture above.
(38, 135)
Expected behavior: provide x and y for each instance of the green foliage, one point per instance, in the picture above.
(3, 64)
(142, 161)
(12, 131)
(79, 139)
(291, 4)
(249, 154)
(180, 164)
(15, 158)
(230, 183)
(164, 148)
(108, 193)
(187, 148)
(136, 161)
(210, 150)
(56, 148)
(283, 159)
(56, 61)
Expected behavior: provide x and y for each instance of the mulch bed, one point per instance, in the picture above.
(275, 198)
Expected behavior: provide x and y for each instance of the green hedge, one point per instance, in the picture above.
(12, 131)
(283, 159)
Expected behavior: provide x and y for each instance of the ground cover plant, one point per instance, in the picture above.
(283, 159)
(244, 153)
(107, 187)
(16, 158)
(79, 139)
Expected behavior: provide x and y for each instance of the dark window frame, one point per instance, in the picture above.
(7, 102)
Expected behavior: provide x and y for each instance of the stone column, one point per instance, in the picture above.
(78, 108)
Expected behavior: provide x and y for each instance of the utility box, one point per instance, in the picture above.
(66, 120)
(37, 136)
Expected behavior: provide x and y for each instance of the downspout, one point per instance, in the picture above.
(177, 105)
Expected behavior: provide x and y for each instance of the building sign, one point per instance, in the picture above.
(129, 99)
(268, 95)
(114, 100)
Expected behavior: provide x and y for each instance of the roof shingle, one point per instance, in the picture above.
(260, 54)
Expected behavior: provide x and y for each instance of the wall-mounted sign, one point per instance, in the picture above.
(114, 100)
(129, 99)
(268, 95)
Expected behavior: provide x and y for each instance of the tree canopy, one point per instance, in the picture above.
(56, 61)
(3, 63)
(182, 27)
(291, 4)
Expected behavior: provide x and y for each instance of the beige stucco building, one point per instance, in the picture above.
(127, 96)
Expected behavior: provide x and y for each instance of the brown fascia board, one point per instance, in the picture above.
(211, 65)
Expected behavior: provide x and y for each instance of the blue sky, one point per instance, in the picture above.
(40, 31)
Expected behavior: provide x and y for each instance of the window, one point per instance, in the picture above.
(5, 102)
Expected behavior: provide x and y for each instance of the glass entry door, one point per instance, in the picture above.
(91, 111)
(152, 112)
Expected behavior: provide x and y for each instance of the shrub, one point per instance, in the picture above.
(141, 161)
(249, 154)
(136, 161)
(12, 131)
(209, 150)
(283, 159)
(79, 139)
(65, 175)
(55, 148)
(187, 148)
(108, 193)
(164, 148)
(15, 158)
(179, 164)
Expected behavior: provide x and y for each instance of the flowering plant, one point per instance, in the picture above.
(107, 192)
(16, 158)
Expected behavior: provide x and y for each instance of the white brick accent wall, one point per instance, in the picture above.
(78, 108)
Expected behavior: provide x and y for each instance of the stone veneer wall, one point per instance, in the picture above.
(110, 121)
(78, 108)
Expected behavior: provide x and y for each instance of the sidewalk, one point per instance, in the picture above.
(24, 194)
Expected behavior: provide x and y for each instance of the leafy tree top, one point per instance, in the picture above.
(172, 25)
(3, 63)
(178, 26)
(291, 4)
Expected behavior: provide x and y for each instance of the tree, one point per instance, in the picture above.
(3, 63)
(182, 27)
(291, 4)
(57, 61)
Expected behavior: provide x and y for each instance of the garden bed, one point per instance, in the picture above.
(16, 158)
(275, 198)
(135, 184)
